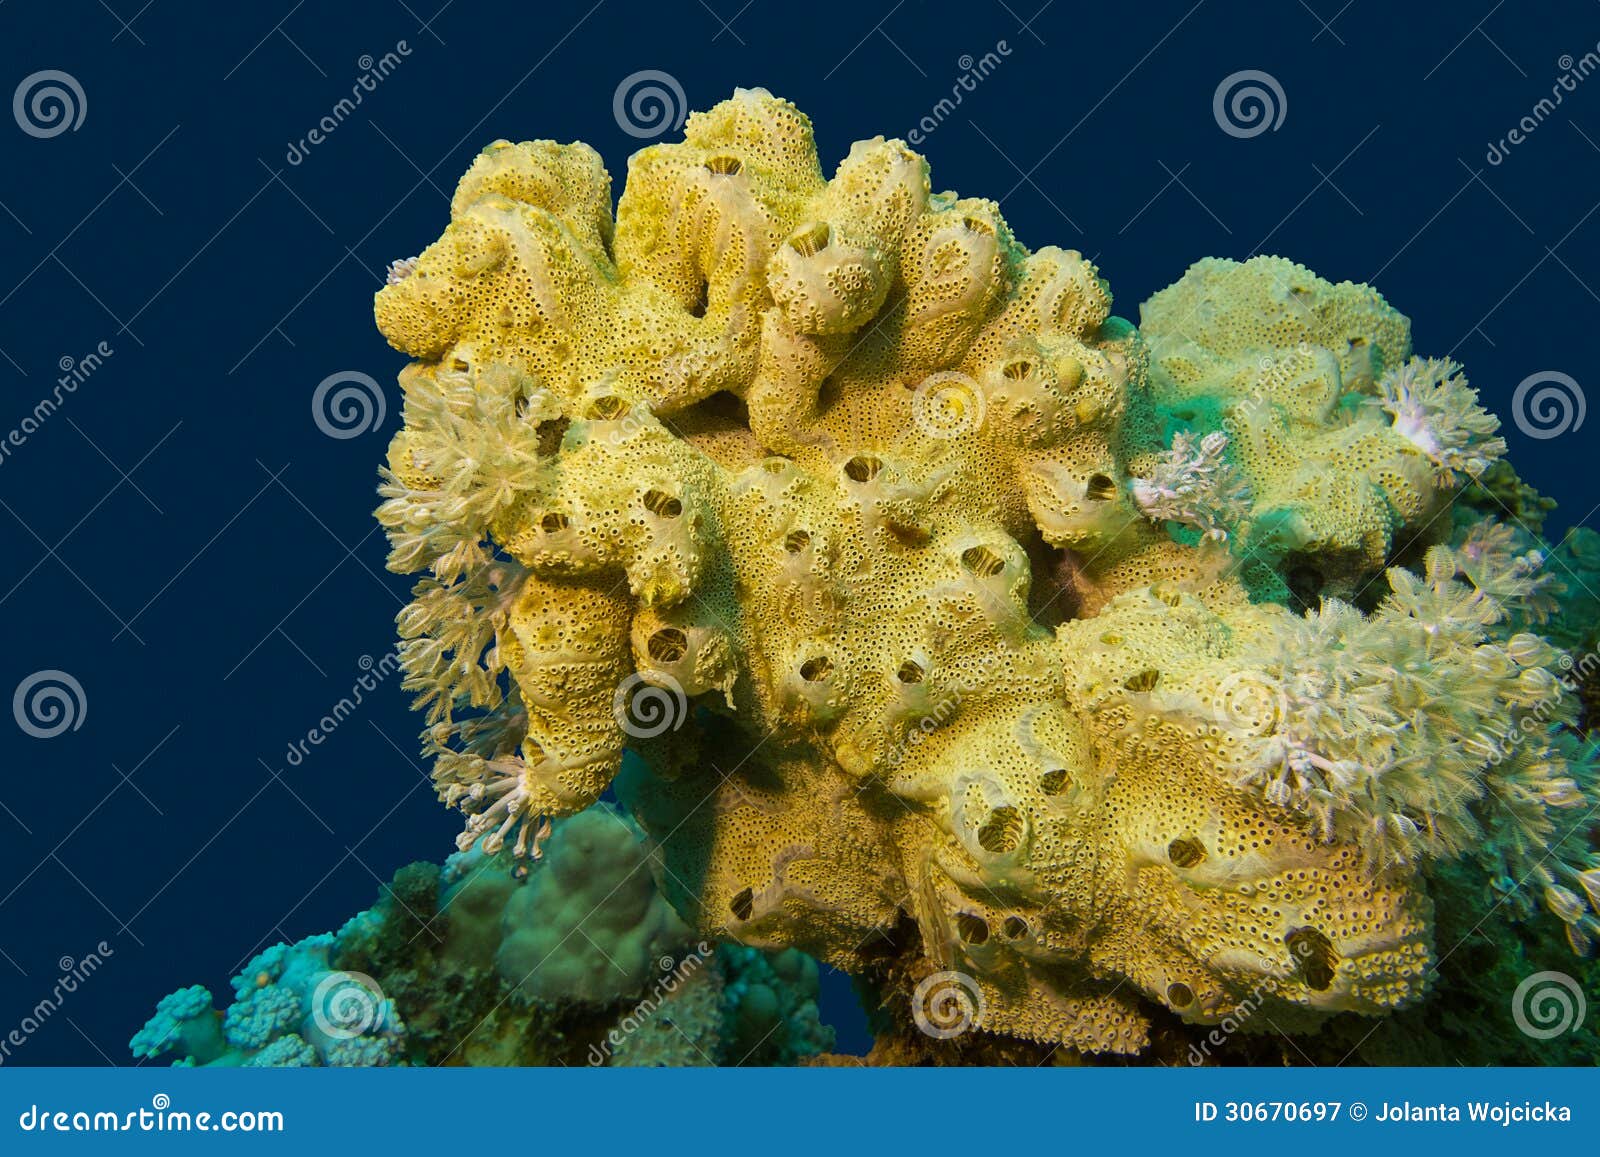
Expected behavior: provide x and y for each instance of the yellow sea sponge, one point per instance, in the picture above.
(921, 585)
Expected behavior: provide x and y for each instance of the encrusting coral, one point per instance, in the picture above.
(951, 615)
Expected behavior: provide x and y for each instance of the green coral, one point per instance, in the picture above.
(590, 924)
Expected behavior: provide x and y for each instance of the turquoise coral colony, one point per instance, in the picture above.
(1096, 689)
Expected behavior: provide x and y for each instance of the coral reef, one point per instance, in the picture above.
(958, 625)
(577, 962)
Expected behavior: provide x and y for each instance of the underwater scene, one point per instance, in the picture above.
(810, 573)
(622, 536)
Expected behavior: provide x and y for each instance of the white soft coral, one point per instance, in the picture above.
(1194, 485)
(1437, 412)
(1431, 727)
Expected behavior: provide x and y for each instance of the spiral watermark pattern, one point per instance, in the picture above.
(1249, 702)
(48, 703)
(1548, 404)
(1248, 103)
(947, 405)
(345, 1005)
(348, 404)
(1548, 1004)
(645, 708)
(947, 1004)
(649, 103)
(49, 103)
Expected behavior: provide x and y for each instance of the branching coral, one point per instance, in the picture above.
(851, 516)
(185, 1023)
(291, 1008)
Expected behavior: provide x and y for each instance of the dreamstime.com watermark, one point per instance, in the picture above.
(974, 71)
(947, 1004)
(74, 372)
(74, 973)
(48, 703)
(1547, 404)
(649, 103)
(348, 404)
(1239, 1015)
(645, 708)
(160, 1117)
(1536, 720)
(1547, 1004)
(1248, 103)
(346, 1005)
(942, 709)
(49, 103)
(676, 973)
(375, 673)
(1250, 702)
(1573, 73)
(373, 73)
(947, 405)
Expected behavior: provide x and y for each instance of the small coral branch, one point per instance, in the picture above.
(1496, 560)
(1194, 485)
(471, 448)
(1434, 409)
(399, 270)
(453, 638)
(496, 798)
